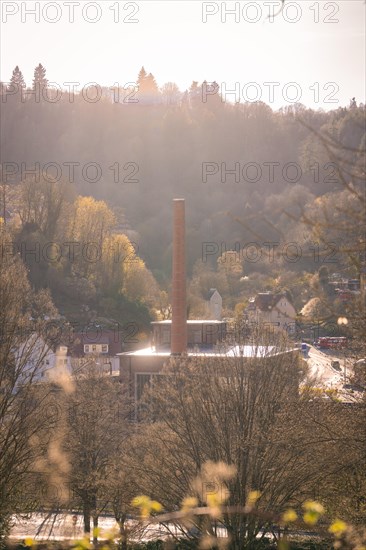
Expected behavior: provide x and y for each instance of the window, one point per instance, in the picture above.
(96, 348)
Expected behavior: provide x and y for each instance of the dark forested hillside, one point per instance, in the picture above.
(228, 161)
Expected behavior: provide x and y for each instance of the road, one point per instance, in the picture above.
(319, 362)
(328, 377)
(51, 526)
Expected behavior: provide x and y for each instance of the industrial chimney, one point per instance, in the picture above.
(179, 301)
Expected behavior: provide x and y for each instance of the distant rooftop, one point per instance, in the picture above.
(266, 301)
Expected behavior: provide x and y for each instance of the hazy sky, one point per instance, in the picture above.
(319, 46)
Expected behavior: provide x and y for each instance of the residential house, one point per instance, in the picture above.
(101, 343)
(40, 361)
(214, 304)
(276, 310)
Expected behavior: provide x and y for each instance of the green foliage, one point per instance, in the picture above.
(114, 283)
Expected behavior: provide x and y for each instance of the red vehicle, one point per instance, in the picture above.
(332, 342)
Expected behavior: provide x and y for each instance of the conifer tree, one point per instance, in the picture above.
(141, 77)
(17, 79)
(151, 84)
(39, 80)
(194, 91)
(148, 89)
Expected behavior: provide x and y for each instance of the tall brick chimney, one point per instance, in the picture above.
(179, 301)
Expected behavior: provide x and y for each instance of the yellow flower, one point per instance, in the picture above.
(28, 541)
(189, 503)
(155, 506)
(213, 503)
(253, 496)
(337, 528)
(83, 544)
(213, 500)
(96, 532)
(289, 515)
(146, 505)
(313, 510)
(313, 506)
(139, 501)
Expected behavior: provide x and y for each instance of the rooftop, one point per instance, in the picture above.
(232, 351)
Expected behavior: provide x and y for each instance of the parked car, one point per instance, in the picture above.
(336, 365)
(332, 342)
